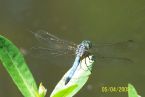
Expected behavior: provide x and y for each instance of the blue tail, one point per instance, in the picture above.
(73, 69)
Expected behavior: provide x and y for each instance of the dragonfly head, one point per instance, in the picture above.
(87, 44)
(83, 48)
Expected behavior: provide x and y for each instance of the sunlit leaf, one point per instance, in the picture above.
(15, 65)
(79, 78)
(65, 92)
(132, 92)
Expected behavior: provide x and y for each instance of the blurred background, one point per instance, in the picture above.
(101, 21)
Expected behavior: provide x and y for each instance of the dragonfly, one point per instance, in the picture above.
(81, 51)
(56, 46)
(51, 44)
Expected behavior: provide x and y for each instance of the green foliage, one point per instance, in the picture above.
(15, 65)
(78, 80)
(132, 92)
(65, 92)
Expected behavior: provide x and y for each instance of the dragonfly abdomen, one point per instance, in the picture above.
(73, 69)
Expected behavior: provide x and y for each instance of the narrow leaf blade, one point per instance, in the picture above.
(15, 65)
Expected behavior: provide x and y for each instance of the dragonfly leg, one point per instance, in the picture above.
(86, 65)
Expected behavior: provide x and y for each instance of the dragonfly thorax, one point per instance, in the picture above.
(87, 44)
(83, 47)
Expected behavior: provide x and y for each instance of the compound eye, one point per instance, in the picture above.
(87, 44)
(90, 44)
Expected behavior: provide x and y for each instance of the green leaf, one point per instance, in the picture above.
(132, 92)
(15, 65)
(65, 92)
(79, 78)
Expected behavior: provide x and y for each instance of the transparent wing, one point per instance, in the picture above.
(116, 48)
(114, 52)
(113, 61)
(51, 44)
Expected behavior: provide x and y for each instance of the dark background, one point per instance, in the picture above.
(101, 21)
